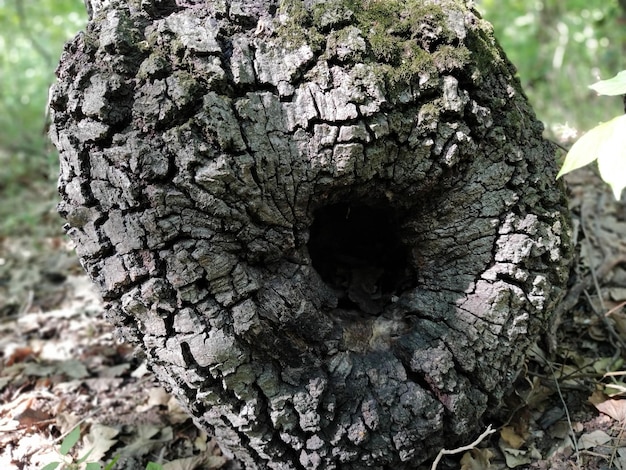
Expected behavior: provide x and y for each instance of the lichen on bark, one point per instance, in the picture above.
(336, 246)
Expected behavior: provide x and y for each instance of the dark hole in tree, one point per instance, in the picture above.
(357, 250)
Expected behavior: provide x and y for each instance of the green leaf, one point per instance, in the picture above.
(110, 465)
(84, 457)
(154, 466)
(51, 466)
(70, 440)
(612, 165)
(607, 144)
(612, 86)
(586, 149)
(93, 466)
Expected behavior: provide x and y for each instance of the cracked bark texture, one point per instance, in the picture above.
(335, 243)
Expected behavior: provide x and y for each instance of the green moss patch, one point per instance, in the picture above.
(407, 38)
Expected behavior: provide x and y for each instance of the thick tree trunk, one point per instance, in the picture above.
(332, 226)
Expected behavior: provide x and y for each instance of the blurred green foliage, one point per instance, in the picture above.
(559, 47)
(32, 34)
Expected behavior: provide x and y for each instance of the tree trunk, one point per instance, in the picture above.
(333, 226)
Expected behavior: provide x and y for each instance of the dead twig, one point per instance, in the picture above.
(614, 309)
(443, 452)
(567, 415)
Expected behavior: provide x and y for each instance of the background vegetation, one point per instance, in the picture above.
(32, 34)
(558, 46)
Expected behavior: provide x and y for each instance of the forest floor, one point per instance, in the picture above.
(61, 367)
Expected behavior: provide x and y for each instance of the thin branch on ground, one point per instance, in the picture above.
(567, 415)
(614, 309)
(443, 452)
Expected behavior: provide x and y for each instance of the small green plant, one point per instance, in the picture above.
(154, 466)
(68, 464)
(605, 142)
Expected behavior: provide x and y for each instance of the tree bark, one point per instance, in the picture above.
(333, 227)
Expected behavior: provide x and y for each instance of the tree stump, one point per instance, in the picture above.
(333, 226)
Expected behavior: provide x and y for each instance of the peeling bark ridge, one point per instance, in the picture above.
(333, 226)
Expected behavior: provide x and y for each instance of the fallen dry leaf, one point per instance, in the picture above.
(99, 441)
(593, 439)
(597, 397)
(19, 355)
(538, 393)
(176, 413)
(477, 459)
(147, 438)
(157, 396)
(620, 322)
(113, 371)
(511, 438)
(515, 457)
(559, 430)
(32, 417)
(616, 409)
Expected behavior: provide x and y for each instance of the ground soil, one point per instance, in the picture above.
(61, 366)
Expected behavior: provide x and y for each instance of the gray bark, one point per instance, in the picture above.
(334, 242)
